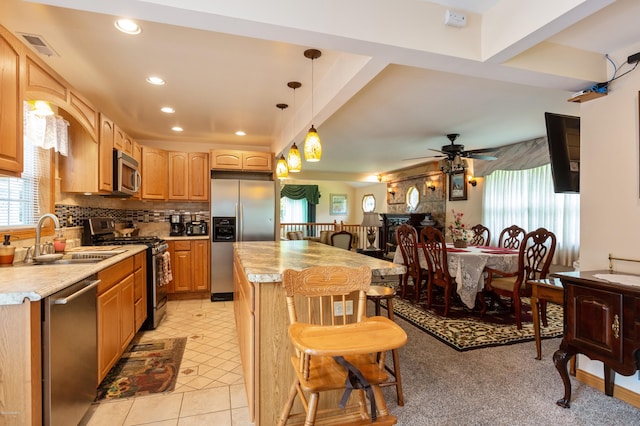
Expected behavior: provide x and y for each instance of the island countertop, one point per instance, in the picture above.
(35, 282)
(265, 261)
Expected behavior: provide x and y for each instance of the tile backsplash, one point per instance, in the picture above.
(71, 215)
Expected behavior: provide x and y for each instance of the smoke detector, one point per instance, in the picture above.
(455, 19)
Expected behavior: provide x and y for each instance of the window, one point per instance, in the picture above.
(368, 203)
(526, 198)
(23, 200)
(294, 211)
(413, 198)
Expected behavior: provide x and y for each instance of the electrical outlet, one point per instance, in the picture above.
(337, 308)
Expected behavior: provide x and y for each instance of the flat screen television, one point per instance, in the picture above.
(563, 137)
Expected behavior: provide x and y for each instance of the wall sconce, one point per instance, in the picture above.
(391, 191)
(472, 181)
(431, 185)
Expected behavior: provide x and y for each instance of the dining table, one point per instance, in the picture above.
(467, 265)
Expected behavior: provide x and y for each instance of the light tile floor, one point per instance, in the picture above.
(209, 388)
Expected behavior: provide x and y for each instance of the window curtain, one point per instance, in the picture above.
(46, 131)
(526, 198)
(298, 192)
(518, 156)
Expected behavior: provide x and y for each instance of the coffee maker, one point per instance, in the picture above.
(177, 227)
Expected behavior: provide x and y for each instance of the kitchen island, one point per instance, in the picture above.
(261, 314)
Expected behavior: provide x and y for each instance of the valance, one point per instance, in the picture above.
(518, 156)
(298, 192)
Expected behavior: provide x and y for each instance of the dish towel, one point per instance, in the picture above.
(166, 267)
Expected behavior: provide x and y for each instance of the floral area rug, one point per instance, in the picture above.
(145, 368)
(465, 329)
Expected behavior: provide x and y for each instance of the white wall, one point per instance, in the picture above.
(609, 184)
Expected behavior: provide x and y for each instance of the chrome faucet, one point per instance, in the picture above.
(39, 226)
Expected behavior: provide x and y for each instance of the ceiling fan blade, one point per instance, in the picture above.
(437, 150)
(422, 158)
(479, 156)
(481, 150)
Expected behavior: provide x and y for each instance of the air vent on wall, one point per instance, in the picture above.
(39, 44)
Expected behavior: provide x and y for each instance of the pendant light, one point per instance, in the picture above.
(294, 161)
(282, 171)
(312, 144)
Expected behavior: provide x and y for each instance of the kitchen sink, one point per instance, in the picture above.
(77, 258)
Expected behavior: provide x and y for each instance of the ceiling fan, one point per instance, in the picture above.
(452, 150)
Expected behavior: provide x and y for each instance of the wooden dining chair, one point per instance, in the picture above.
(407, 240)
(511, 237)
(312, 296)
(342, 239)
(435, 251)
(534, 258)
(481, 235)
(294, 235)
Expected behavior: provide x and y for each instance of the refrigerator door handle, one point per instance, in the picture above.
(241, 224)
(238, 223)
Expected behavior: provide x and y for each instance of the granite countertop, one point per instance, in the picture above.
(264, 261)
(184, 237)
(35, 282)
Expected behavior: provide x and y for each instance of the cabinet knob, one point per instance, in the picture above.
(616, 326)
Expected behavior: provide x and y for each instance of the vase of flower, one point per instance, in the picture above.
(458, 231)
(460, 243)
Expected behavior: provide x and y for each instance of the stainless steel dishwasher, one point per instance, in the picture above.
(70, 353)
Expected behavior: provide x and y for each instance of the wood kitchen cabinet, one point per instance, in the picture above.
(188, 176)
(601, 321)
(116, 313)
(105, 157)
(190, 266)
(140, 289)
(224, 159)
(11, 90)
(154, 173)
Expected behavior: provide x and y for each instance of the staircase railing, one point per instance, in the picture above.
(311, 230)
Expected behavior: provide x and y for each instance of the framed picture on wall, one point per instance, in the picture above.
(338, 204)
(458, 186)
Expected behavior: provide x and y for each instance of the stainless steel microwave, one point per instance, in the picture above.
(126, 177)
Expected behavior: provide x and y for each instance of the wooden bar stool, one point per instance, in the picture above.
(376, 293)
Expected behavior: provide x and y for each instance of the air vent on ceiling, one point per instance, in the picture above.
(39, 44)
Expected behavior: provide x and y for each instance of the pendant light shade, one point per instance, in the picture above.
(294, 161)
(282, 171)
(312, 144)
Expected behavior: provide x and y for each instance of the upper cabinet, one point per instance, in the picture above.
(154, 173)
(11, 81)
(105, 159)
(224, 159)
(188, 176)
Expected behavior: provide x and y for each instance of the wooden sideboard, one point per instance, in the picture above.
(601, 321)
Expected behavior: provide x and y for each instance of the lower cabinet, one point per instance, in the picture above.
(190, 267)
(118, 320)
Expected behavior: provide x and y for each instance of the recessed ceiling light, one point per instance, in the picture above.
(241, 133)
(155, 80)
(167, 110)
(127, 26)
(177, 129)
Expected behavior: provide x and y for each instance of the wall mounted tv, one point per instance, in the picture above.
(563, 137)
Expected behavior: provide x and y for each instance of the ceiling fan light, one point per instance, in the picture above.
(294, 161)
(312, 146)
(282, 171)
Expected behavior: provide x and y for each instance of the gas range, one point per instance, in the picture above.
(101, 232)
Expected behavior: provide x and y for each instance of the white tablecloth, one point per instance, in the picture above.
(467, 267)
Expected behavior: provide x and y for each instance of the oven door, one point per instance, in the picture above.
(157, 290)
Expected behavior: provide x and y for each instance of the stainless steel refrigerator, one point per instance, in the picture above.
(241, 210)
